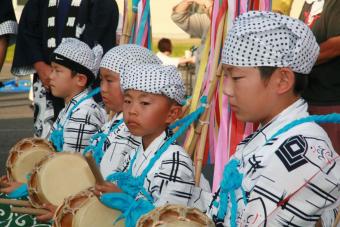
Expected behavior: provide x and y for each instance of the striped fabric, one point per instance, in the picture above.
(85, 121)
(174, 166)
(117, 147)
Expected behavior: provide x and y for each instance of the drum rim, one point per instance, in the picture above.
(14, 153)
(60, 214)
(157, 212)
(66, 209)
(37, 199)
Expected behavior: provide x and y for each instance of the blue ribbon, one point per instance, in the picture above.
(328, 118)
(145, 21)
(135, 5)
(57, 135)
(192, 116)
(57, 138)
(232, 180)
(97, 150)
(21, 191)
(131, 209)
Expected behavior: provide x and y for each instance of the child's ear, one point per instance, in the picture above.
(81, 80)
(285, 79)
(174, 113)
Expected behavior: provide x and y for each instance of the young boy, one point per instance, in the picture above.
(74, 67)
(285, 179)
(114, 141)
(152, 97)
(43, 25)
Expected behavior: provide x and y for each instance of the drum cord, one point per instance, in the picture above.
(97, 150)
(57, 135)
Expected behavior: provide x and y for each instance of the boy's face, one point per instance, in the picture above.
(251, 98)
(61, 80)
(147, 115)
(110, 90)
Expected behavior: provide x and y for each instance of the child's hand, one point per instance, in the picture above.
(3, 181)
(9, 186)
(48, 216)
(105, 188)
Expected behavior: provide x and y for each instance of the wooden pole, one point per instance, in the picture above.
(205, 116)
(15, 202)
(29, 210)
(216, 72)
(337, 219)
(204, 127)
(93, 166)
(200, 154)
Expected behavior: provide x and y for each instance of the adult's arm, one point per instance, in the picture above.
(194, 24)
(329, 50)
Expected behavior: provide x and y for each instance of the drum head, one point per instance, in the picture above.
(175, 215)
(63, 175)
(85, 210)
(94, 213)
(24, 156)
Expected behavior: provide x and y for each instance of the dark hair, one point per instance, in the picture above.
(89, 78)
(301, 80)
(164, 45)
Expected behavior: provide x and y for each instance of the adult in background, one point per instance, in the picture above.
(165, 51)
(42, 26)
(323, 91)
(193, 17)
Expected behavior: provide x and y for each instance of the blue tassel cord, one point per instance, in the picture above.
(97, 150)
(131, 209)
(21, 191)
(328, 118)
(57, 135)
(232, 181)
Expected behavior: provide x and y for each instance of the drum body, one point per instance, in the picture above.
(85, 210)
(24, 155)
(57, 177)
(175, 215)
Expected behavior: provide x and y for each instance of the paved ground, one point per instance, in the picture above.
(16, 119)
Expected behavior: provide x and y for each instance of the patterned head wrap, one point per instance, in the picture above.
(270, 39)
(118, 57)
(155, 79)
(78, 56)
